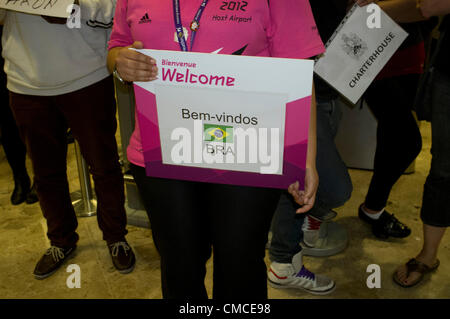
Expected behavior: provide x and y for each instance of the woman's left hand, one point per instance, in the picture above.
(307, 197)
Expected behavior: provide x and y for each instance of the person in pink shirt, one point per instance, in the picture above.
(190, 218)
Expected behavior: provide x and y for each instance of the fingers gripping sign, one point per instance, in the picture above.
(134, 66)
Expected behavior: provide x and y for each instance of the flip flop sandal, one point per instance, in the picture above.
(413, 265)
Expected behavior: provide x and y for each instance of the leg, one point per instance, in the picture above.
(428, 255)
(91, 114)
(334, 190)
(240, 224)
(181, 233)
(398, 136)
(286, 230)
(431, 239)
(335, 185)
(398, 144)
(12, 144)
(15, 153)
(435, 213)
(43, 129)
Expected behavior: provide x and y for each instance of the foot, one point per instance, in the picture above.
(386, 225)
(296, 276)
(122, 256)
(21, 189)
(52, 260)
(311, 228)
(32, 195)
(413, 271)
(330, 239)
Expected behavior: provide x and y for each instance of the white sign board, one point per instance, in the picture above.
(53, 8)
(224, 118)
(355, 54)
(225, 113)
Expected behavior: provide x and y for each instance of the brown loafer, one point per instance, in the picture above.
(123, 257)
(51, 261)
(413, 265)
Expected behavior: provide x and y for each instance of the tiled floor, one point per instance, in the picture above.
(22, 237)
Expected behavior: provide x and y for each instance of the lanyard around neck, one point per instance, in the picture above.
(195, 24)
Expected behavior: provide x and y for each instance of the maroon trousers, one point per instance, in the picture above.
(91, 115)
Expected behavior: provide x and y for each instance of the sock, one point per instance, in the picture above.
(373, 216)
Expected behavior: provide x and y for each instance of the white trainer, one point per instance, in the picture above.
(311, 228)
(296, 276)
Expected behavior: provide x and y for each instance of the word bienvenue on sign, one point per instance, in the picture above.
(53, 8)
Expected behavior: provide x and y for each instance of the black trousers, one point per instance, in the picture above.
(15, 150)
(190, 219)
(435, 206)
(398, 136)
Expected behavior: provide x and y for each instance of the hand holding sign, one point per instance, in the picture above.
(134, 66)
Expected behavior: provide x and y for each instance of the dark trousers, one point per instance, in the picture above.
(398, 136)
(189, 219)
(12, 143)
(335, 187)
(43, 122)
(435, 206)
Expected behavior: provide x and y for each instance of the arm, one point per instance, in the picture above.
(130, 65)
(402, 11)
(431, 8)
(312, 138)
(98, 13)
(307, 197)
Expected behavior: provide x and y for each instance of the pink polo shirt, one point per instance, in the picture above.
(283, 28)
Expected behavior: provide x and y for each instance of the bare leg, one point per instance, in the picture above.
(432, 238)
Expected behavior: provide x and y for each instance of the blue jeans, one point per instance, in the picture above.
(435, 209)
(335, 187)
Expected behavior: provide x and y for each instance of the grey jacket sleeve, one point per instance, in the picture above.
(98, 13)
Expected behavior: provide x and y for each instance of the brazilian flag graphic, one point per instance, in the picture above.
(218, 133)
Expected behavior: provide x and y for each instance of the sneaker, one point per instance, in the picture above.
(122, 257)
(385, 226)
(296, 276)
(311, 228)
(53, 258)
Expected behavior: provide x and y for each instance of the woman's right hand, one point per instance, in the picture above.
(134, 66)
